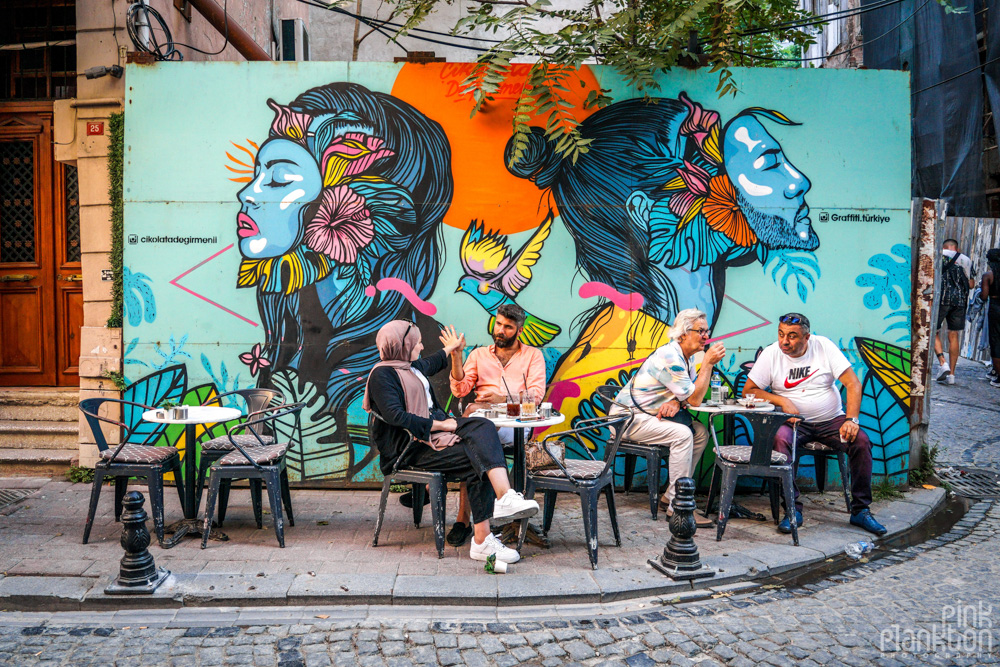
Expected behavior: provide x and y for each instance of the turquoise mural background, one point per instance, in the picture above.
(193, 129)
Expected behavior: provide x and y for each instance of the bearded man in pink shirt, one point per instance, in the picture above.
(491, 372)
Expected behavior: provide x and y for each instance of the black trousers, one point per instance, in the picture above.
(993, 322)
(478, 452)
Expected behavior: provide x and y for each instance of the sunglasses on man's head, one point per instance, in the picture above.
(794, 318)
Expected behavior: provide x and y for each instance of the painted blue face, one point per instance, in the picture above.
(770, 191)
(286, 179)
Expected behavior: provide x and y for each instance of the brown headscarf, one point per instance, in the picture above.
(395, 342)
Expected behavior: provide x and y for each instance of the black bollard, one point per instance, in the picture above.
(138, 574)
(680, 559)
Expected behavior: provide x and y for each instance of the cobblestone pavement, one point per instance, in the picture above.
(887, 612)
(973, 406)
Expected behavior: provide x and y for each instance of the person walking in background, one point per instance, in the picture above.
(956, 281)
(990, 292)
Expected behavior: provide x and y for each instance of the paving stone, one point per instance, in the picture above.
(579, 650)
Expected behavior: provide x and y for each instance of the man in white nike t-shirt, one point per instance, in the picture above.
(801, 372)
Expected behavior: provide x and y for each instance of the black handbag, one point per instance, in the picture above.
(683, 417)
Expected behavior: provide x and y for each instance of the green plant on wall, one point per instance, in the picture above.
(116, 162)
(120, 382)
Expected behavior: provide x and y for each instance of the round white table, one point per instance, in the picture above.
(197, 414)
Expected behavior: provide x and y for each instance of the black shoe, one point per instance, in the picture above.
(458, 534)
(406, 499)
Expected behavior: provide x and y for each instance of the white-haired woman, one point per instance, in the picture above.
(665, 383)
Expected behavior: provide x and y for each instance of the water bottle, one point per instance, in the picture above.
(857, 550)
(716, 388)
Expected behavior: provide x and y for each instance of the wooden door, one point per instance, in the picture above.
(40, 293)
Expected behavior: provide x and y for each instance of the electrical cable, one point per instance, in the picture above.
(853, 48)
(114, 33)
(391, 24)
(138, 12)
(816, 19)
(378, 24)
(170, 45)
(957, 76)
(801, 23)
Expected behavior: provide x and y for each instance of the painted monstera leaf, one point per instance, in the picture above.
(884, 420)
(890, 364)
(316, 421)
(168, 384)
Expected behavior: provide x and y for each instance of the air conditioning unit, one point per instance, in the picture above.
(294, 40)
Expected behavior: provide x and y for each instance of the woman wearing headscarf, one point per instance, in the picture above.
(400, 397)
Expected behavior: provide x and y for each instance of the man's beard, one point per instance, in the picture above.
(774, 231)
(500, 341)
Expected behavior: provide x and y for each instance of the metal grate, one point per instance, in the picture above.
(11, 496)
(72, 214)
(972, 483)
(17, 202)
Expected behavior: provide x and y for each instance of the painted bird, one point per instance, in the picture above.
(493, 277)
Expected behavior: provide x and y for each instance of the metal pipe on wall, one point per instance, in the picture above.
(238, 37)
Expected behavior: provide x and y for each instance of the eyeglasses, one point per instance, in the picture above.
(794, 318)
(700, 332)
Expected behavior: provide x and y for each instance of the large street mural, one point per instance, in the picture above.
(277, 219)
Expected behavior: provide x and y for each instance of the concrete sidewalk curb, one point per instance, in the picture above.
(735, 570)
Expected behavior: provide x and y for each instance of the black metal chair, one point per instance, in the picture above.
(133, 457)
(212, 450)
(820, 454)
(632, 449)
(757, 459)
(261, 463)
(588, 478)
(417, 479)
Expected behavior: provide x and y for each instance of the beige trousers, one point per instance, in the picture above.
(686, 447)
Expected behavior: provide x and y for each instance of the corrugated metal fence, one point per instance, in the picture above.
(975, 236)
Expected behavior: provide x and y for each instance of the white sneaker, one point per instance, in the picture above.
(513, 506)
(492, 545)
(951, 378)
(946, 376)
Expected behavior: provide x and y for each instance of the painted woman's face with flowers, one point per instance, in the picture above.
(286, 179)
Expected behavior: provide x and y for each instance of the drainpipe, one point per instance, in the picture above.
(238, 37)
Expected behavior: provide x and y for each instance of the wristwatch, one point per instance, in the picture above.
(855, 420)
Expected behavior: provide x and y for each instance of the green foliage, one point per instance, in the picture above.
(884, 489)
(638, 38)
(116, 172)
(167, 403)
(399, 488)
(121, 384)
(925, 471)
(79, 474)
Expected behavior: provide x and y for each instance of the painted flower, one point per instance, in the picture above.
(289, 123)
(350, 155)
(342, 225)
(703, 127)
(723, 214)
(691, 183)
(255, 359)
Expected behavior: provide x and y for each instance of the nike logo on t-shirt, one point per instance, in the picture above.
(796, 383)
